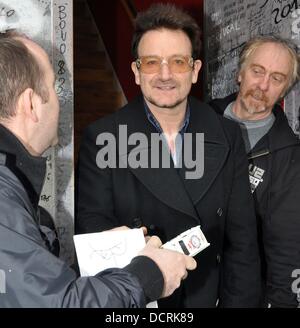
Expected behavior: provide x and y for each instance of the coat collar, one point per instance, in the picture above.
(169, 185)
(202, 120)
(280, 135)
(29, 169)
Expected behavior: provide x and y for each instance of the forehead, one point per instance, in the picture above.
(273, 57)
(164, 42)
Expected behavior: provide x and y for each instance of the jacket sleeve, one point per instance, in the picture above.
(241, 265)
(33, 277)
(94, 200)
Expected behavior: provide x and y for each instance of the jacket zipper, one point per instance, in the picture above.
(259, 154)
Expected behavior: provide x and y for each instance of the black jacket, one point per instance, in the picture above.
(33, 277)
(168, 204)
(274, 170)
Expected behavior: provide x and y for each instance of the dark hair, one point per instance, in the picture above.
(19, 70)
(170, 17)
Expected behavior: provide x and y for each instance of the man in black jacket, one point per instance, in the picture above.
(30, 275)
(268, 68)
(124, 179)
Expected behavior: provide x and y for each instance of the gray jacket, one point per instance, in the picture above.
(31, 276)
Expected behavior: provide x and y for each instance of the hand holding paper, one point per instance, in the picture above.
(116, 248)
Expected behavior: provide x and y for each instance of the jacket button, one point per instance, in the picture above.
(220, 211)
(218, 258)
(136, 223)
(152, 229)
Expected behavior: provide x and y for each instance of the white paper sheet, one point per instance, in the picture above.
(109, 249)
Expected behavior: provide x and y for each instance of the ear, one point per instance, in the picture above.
(283, 93)
(136, 73)
(28, 101)
(285, 90)
(239, 78)
(196, 70)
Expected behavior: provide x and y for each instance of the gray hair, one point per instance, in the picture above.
(256, 42)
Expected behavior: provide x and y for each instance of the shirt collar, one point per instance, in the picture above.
(156, 124)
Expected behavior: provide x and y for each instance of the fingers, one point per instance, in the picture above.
(185, 275)
(145, 231)
(191, 264)
(154, 241)
(173, 265)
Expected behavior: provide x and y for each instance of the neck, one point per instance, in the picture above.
(170, 119)
(21, 137)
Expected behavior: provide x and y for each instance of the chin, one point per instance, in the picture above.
(167, 104)
(256, 110)
(253, 107)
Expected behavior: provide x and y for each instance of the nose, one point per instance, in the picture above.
(165, 72)
(264, 83)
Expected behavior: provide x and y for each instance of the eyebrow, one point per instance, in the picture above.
(260, 66)
(181, 55)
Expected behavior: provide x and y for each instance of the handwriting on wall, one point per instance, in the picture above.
(15, 14)
(282, 10)
(229, 24)
(63, 66)
(6, 12)
(49, 23)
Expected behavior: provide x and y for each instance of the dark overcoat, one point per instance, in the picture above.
(167, 203)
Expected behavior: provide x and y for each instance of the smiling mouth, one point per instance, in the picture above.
(165, 88)
(257, 95)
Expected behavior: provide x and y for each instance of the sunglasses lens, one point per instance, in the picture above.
(152, 64)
